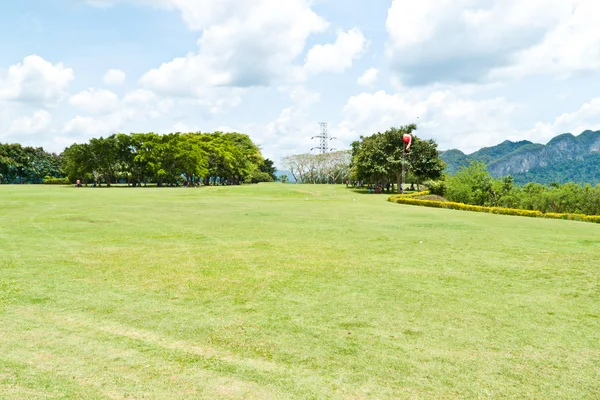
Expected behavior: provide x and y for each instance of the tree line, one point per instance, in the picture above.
(475, 185)
(168, 160)
(141, 158)
(23, 164)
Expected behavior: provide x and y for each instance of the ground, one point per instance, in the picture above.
(289, 291)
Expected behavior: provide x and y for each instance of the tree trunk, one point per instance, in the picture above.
(399, 182)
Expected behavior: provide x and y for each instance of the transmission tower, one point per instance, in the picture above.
(324, 139)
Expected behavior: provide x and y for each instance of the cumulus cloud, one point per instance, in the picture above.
(243, 44)
(95, 101)
(290, 132)
(36, 124)
(35, 80)
(114, 77)
(464, 40)
(572, 47)
(135, 107)
(338, 56)
(368, 78)
(586, 117)
(452, 120)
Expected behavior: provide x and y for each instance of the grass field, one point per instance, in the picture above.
(274, 291)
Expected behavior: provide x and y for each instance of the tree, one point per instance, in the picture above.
(424, 162)
(369, 161)
(167, 159)
(78, 162)
(471, 185)
(268, 167)
(104, 154)
(380, 157)
(325, 168)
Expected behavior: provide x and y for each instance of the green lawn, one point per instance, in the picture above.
(274, 291)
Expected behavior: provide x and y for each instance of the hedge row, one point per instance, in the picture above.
(492, 210)
(55, 181)
(411, 195)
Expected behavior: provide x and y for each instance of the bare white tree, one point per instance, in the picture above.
(331, 167)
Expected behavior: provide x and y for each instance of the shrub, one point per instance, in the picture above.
(258, 176)
(471, 185)
(411, 195)
(50, 180)
(436, 187)
(493, 210)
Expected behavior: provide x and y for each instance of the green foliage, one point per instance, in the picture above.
(474, 185)
(171, 159)
(268, 167)
(423, 160)
(379, 157)
(20, 164)
(471, 185)
(584, 170)
(409, 200)
(437, 188)
(49, 180)
(566, 158)
(259, 176)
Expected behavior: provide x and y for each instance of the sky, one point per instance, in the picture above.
(470, 73)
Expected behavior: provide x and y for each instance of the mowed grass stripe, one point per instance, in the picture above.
(274, 291)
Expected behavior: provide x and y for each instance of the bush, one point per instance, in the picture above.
(493, 210)
(436, 187)
(50, 180)
(411, 195)
(258, 177)
(471, 185)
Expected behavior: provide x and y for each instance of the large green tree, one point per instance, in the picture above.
(380, 157)
(423, 161)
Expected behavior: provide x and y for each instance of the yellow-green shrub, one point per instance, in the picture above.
(411, 195)
(410, 200)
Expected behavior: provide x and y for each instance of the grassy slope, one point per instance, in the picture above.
(275, 291)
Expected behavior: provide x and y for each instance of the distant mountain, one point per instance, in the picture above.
(566, 158)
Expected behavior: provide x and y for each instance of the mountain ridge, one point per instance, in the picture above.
(576, 157)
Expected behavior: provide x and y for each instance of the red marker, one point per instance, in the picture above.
(407, 139)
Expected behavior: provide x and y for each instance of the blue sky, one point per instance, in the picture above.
(471, 72)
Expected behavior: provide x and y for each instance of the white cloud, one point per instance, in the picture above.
(114, 77)
(181, 127)
(463, 40)
(338, 56)
(301, 96)
(95, 127)
(95, 101)
(243, 44)
(291, 131)
(135, 108)
(572, 47)
(368, 78)
(36, 124)
(35, 80)
(453, 121)
(586, 117)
